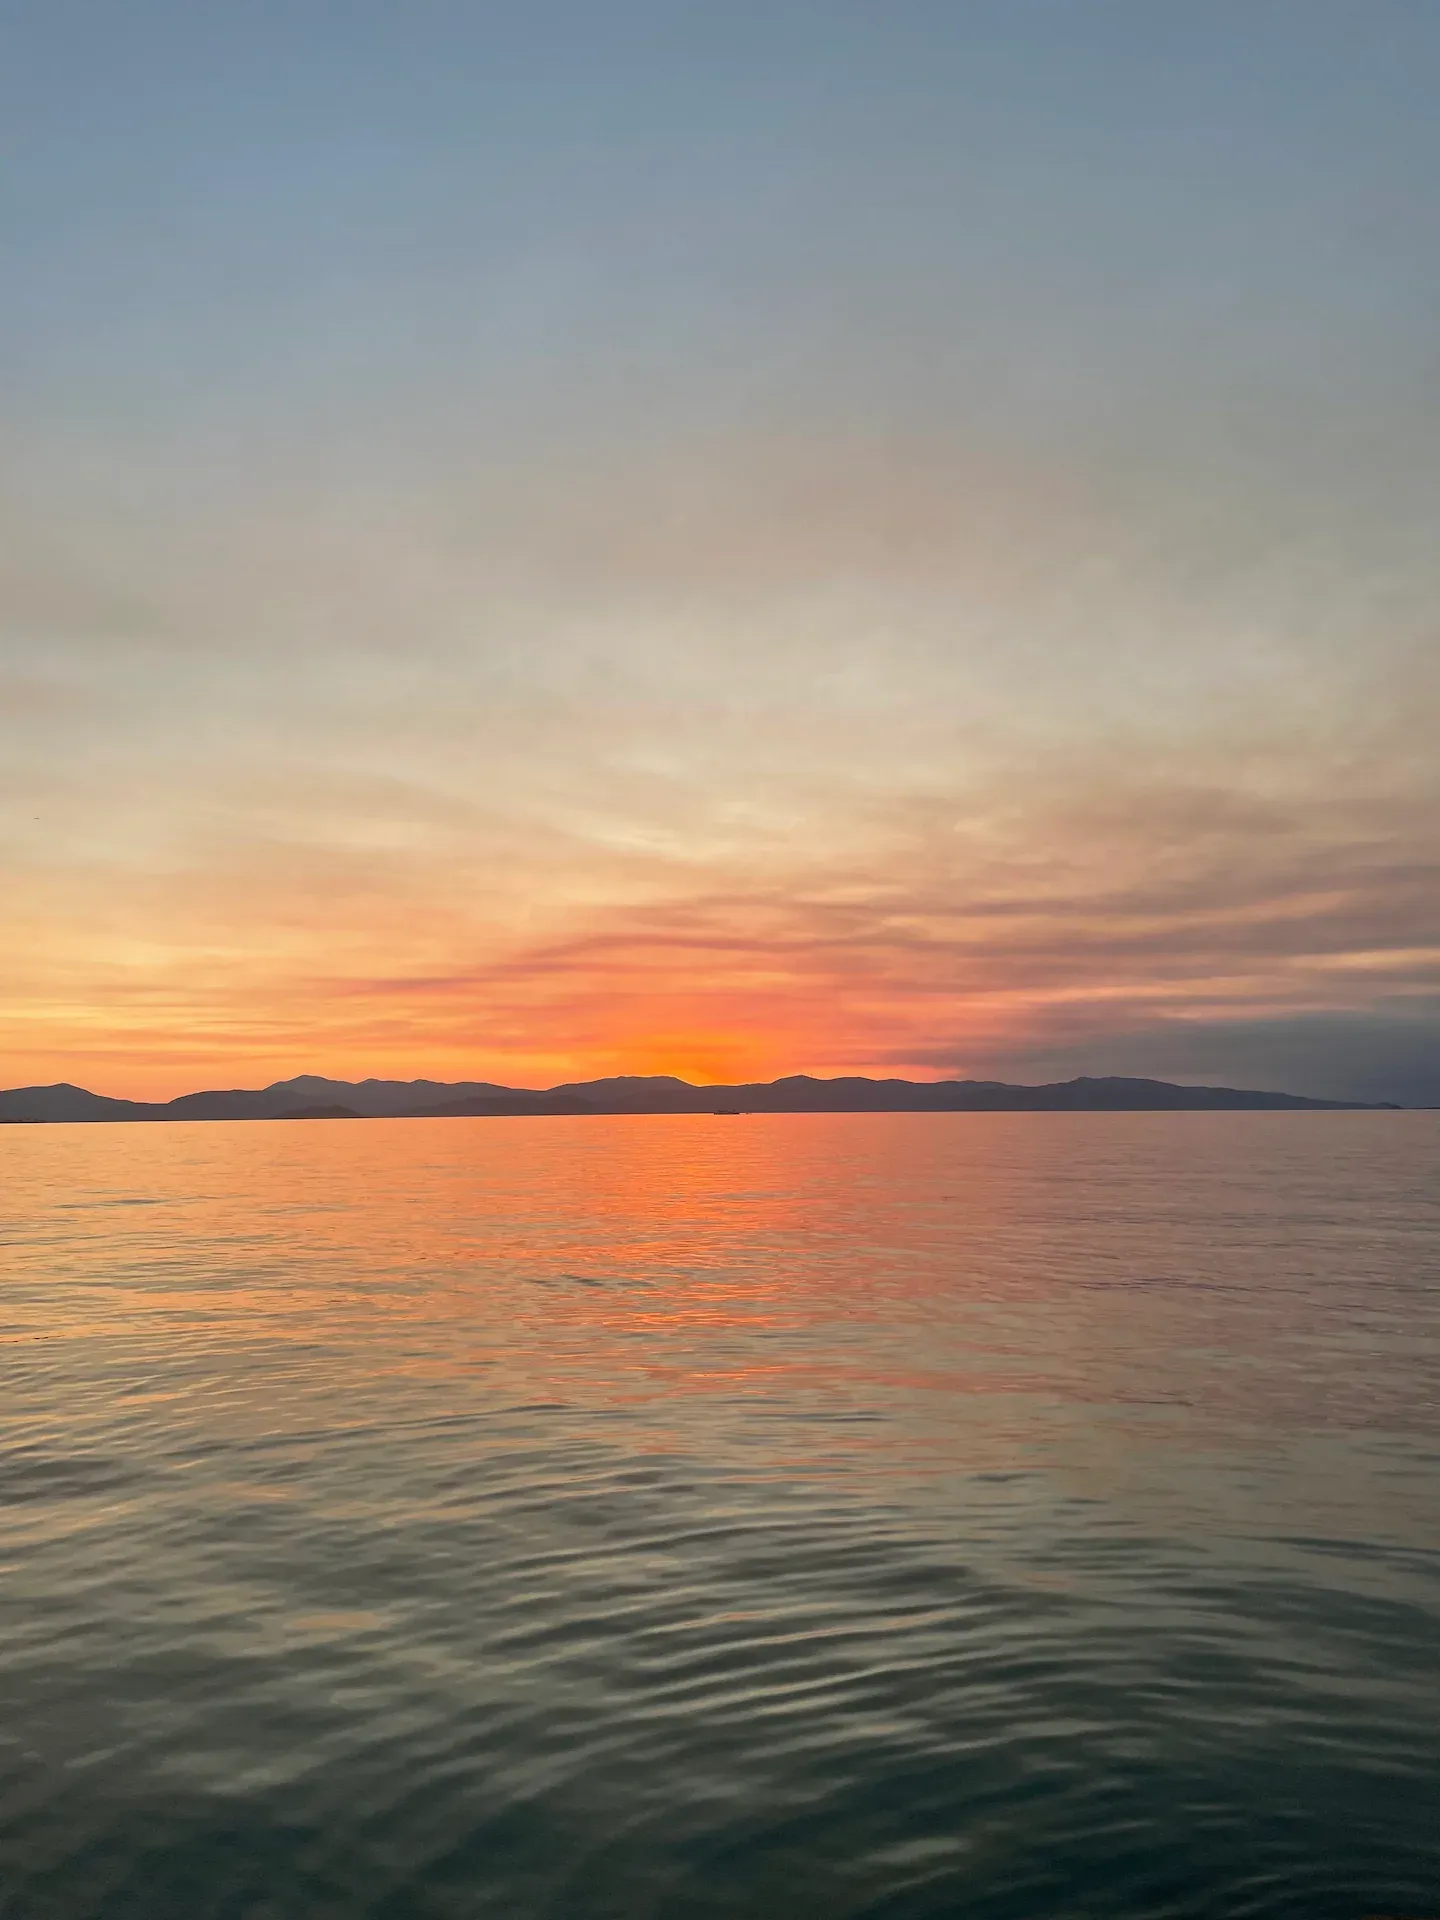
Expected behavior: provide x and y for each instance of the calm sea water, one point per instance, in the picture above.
(901, 1515)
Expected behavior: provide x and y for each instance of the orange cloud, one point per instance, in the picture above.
(1047, 918)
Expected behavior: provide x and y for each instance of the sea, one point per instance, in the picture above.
(797, 1517)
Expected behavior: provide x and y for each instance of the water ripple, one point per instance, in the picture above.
(839, 1516)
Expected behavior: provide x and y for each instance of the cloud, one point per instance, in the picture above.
(740, 756)
(1178, 927)
(1388, 1052)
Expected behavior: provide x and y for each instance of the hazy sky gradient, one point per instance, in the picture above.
(552, 540)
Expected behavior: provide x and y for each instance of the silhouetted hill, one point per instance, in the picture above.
(64, 1102)
(309, 1097)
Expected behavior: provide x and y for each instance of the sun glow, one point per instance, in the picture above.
(702, 1058)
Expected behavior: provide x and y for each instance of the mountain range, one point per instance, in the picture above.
(310, 1097)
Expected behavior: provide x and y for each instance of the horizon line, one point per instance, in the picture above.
(319, 1096)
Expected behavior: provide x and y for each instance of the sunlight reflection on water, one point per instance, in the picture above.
(835, 1514)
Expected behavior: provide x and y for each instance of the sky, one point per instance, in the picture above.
(547, 540)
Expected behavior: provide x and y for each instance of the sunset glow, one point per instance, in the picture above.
(927, 590)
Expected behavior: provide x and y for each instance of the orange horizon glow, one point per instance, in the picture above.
(705, 1060)
(885, 979)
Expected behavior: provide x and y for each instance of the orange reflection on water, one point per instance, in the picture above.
(958, 1292)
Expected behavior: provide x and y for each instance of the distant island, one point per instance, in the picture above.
(308, 1097)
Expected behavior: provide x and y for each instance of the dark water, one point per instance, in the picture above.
(997, 1515)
